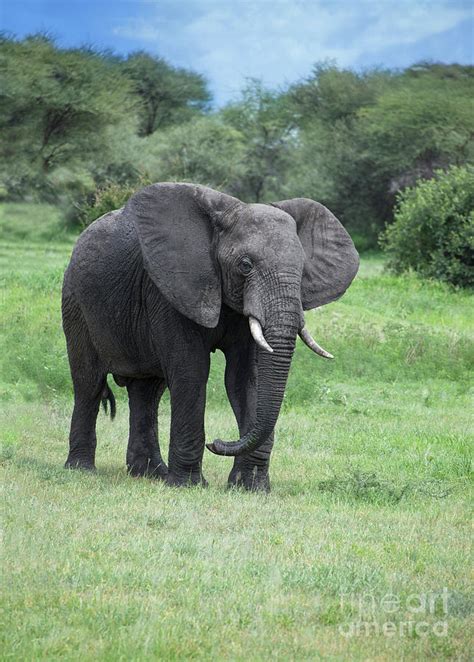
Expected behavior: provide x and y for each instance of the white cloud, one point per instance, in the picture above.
(279, 40)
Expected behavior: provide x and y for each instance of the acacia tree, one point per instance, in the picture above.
(166, 94)
(419, 125)
(363, 137)
(333, 94)
(56, 104)
(205, 151)
(267, 126)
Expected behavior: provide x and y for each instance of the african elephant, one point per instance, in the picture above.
(180, 271)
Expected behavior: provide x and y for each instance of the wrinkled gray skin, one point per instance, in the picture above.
(154, 288)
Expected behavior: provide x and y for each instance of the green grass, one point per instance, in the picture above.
(371, 493)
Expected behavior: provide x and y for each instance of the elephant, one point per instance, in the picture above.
(178, 272)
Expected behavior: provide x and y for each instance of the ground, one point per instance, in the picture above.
(360, 552)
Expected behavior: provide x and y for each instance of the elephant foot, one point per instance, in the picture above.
(146, 468)
(79, 464)
(186, 479)
(254, 479)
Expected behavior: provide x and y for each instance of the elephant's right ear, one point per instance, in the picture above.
(175, 225)
(331, 260)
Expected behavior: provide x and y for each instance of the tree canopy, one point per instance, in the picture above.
(56, 103)
(77, 119)
(166, 94)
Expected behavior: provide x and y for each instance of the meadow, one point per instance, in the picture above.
(360, 552)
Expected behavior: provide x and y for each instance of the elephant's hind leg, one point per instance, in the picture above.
(143, 452)
(89, 380)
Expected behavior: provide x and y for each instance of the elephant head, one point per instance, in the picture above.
(269, 262)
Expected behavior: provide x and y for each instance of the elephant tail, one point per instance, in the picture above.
(108, 397)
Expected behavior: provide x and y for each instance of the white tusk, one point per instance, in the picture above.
(312, 344)
(257, 334)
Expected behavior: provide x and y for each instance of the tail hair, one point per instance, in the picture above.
(108, 398)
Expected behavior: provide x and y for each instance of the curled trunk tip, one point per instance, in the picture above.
(247, 444)
(272, 374)
(219, 447)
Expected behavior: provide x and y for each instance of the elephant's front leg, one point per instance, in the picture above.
(249, 471)
(143, 452)
(188, 399)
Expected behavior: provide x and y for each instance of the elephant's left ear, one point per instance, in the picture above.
(331, 258)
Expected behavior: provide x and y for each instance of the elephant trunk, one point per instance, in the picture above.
(272, 374)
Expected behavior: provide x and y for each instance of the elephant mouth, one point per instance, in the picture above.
(258, 335)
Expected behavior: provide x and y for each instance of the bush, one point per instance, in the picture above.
(106, 198)
(433, 230)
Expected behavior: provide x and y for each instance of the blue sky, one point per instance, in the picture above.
(277, 41)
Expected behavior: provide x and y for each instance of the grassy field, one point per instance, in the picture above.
(361, 551)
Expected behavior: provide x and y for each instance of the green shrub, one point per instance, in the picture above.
(433, 231)
(106, 198)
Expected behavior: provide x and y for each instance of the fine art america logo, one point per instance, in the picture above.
(419, 614)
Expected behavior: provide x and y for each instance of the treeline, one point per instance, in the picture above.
(73, 120)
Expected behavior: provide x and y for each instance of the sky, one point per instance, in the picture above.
(277, 41)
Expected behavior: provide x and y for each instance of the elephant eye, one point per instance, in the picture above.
(245, 265)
